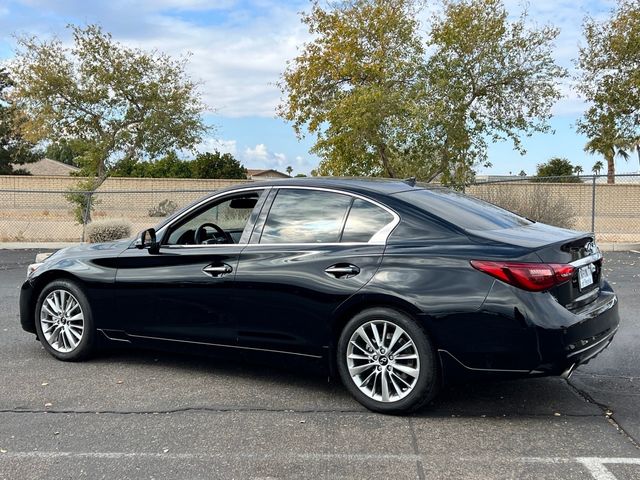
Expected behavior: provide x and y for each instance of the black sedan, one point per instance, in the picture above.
(392, 286)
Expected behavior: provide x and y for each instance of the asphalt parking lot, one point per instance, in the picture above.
(141, 414)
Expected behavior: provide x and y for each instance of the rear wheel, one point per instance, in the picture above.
(387, 362)
(64, 322)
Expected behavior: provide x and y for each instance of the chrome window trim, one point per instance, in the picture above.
(379, 238)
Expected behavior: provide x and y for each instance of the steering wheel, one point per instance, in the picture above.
(201, 234)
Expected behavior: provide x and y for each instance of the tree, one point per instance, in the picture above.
(124, 104)
(597, 167)
(289, 169)
(490, 78)
(560, 169)
(67, 151)
(217, 165)
(381, 105)
(14, 149)
(610, 81)
(578, 170)
(522, 173)
(355, 85)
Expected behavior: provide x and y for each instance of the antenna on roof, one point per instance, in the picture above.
(411, 181)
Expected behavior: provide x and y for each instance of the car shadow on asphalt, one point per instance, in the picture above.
(551, 396)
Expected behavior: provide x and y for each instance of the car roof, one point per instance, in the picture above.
(385, 186)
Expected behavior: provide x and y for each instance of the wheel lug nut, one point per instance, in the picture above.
(382, 350)
(379, 368)
(375, 357)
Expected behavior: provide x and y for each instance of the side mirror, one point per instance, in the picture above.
(148, 240)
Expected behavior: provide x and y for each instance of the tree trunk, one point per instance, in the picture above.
(382, 150)
(611, 166)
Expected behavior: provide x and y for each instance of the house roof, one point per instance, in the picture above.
(269, 173)
(47, 166)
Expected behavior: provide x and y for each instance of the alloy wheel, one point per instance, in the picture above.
(62, 321)
(383, 361)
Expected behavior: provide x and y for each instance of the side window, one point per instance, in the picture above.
(230, 214)
(305, 216)
(364, 221)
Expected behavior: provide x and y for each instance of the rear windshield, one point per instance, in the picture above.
(466, 212)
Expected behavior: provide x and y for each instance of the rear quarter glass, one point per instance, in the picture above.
(464, 211)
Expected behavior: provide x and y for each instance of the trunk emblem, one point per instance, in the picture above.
(591, 248)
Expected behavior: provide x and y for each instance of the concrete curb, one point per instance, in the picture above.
(618, 247)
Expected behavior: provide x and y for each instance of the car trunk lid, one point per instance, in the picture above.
(555, 245)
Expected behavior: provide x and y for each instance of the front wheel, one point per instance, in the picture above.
(387, 362)
(64, 322)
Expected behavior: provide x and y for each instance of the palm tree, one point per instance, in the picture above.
(610, 149)
(578, 170)
(289, 170)
(597, 167)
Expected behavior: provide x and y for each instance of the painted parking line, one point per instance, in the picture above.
(598, 469)
(595, 465)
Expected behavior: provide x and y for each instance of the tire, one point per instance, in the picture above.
(67, 333)
(410, 382)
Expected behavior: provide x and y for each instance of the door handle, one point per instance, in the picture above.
(217, 270)
(342, 271)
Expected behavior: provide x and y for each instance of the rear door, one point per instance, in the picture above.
(311, 250)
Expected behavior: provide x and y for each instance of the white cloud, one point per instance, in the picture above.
(281, 159)
(259, 153)
(222, 146)
(261, 157)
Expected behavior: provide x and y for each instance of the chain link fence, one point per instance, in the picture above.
(586, 203)
(52, 216)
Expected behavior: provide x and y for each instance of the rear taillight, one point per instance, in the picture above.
(534, 277)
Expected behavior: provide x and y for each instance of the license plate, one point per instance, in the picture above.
(585, 277)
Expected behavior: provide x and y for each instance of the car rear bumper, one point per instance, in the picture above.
(547, 339)
(566, 348)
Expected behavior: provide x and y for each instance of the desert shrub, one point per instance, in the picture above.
(107, 230)
(164, 208)
(535, 202)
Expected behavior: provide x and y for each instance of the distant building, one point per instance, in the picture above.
(254, 174)
(47, 166)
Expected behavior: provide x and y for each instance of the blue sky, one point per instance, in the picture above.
(240, 47)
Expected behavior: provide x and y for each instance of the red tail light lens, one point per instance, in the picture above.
(534, 277)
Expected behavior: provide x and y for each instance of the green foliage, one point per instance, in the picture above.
(382, 104)
(204, 165)
(217, 165)
(83, 200)
(355, 85)
(490, 78)
(610, 81)
(124, 104)
(68, 151)
(597, 167)
(14, 149)
(560, 169)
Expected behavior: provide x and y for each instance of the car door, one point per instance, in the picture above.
(310, 251)
(184, 291)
